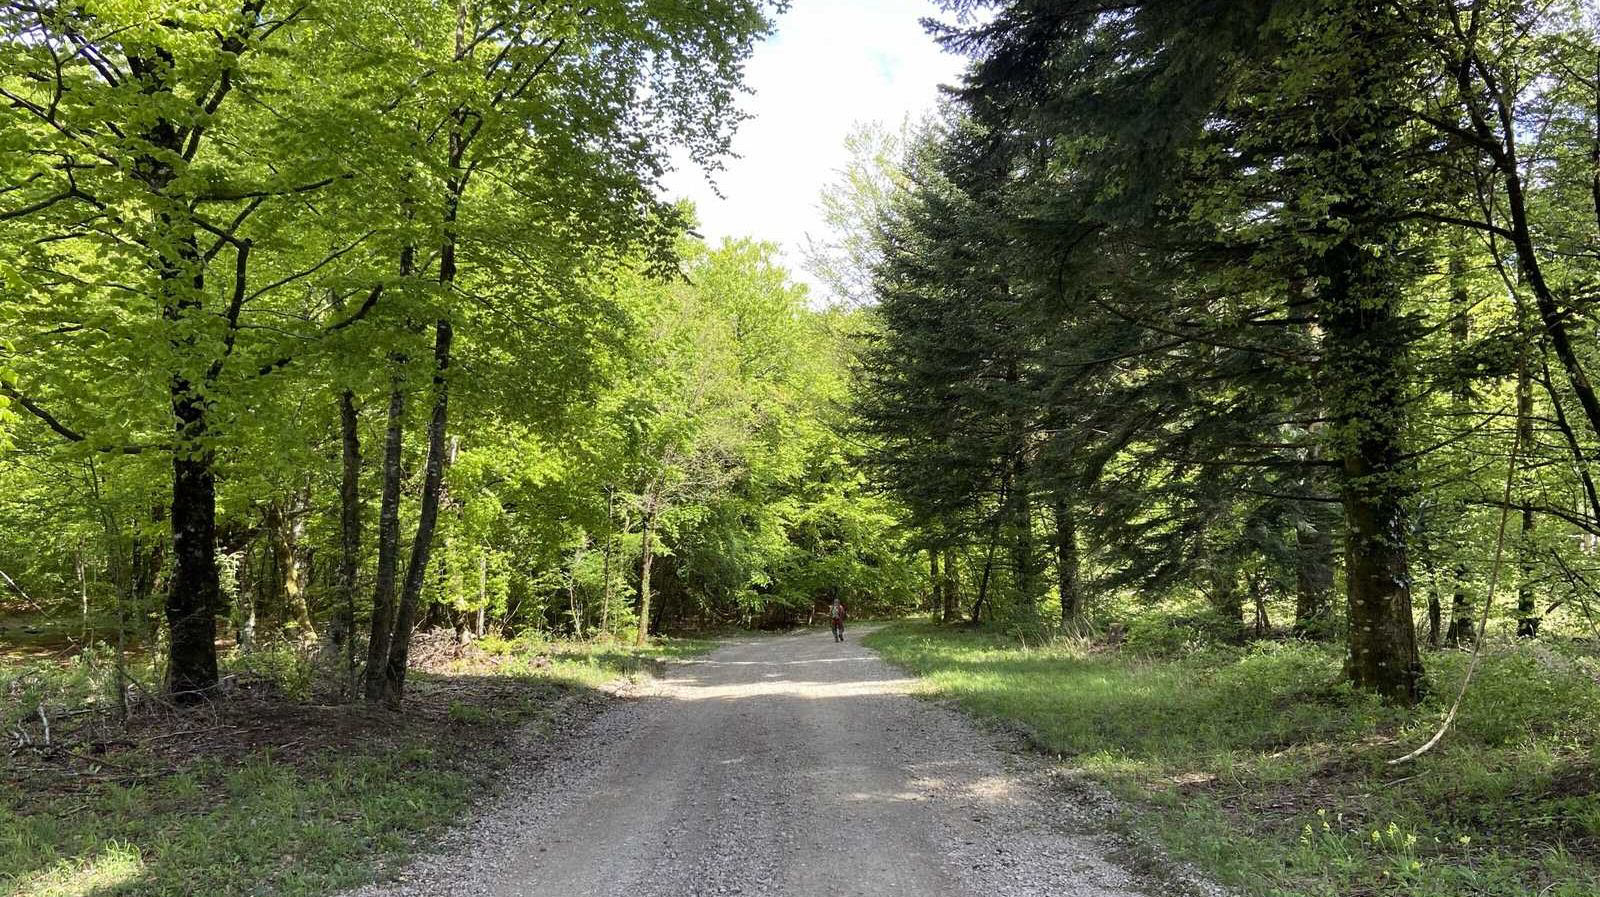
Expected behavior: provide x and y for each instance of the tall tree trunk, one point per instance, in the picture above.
(935, 582)
(483, 594)
(1313, 569)
(196, 593)
(285, 525)
(1024, 558)
(383, 590)
(83, 593)
(433, 478)
(1462, 621)
(1227, 601)
(394, 679)
(1067, 564)
(1462, 625)
(1527, 612)
(1314, 522)
(572, 586)
(1001, 507)
(605, 588)
(952, 586)
(983, 587)
(646, 560)
(659, 614)
(1435, 608)
(349, 522)
(1363, 374)
(1382, 636)
(1261, 625)
(1530, 269)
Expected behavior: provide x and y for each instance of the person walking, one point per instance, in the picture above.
(836, 616)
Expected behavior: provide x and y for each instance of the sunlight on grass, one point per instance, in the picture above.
(115, 866)
(1262, 767)
(293, 823)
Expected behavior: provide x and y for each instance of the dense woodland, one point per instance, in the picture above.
(1285, 306)
(326, 321)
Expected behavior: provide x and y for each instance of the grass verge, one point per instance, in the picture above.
(273, 790)
(1259, 767)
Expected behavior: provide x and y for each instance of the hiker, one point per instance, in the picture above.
(836, 615)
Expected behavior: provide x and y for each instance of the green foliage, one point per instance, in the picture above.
(248, 214)
(1192, 299)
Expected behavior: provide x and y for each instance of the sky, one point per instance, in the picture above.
(830, 64)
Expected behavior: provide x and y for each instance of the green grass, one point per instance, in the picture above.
(317, 811)
(261, 826)
(1260, 767)
(590, 663)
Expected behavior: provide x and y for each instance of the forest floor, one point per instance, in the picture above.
(791, 765)
(1257, 765)
(278, 786)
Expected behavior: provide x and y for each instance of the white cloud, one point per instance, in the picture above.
(831, 63)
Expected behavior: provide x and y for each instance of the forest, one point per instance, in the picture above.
(1222, 365)
(300, 354)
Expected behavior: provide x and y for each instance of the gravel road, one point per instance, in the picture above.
(782, 765)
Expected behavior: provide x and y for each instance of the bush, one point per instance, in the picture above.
(1527, 692)
(1159, 635)
(290, 669)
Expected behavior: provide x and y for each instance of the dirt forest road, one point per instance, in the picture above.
(780, 765)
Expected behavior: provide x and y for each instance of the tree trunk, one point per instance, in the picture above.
(1024, 559)
(572, 586)
(1226, 599)
(1313, 568)
(936, 583)
(952, 586)
(646, 559)
(1067, 565)
(1527, 612)
(1462, 624)
(83, 594)
(664, 597)
(383, 591)
(994, 542)
(1461, 616)
(349, 522)
(1261, 626)
(605, 587)
(1314, 521)
(983, 584)
(483, 593)
(1435, 609)
(394, 679)
(1363, 373)
(285, 531)
(196, 593)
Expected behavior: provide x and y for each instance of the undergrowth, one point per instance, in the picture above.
(280, 786)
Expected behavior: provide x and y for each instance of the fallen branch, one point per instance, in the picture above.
(13, 583)
(1483, 620)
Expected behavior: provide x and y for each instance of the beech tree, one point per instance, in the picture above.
(162, 185)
